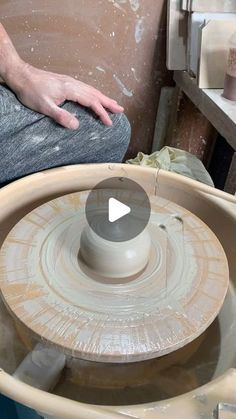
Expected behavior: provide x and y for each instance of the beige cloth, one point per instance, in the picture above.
(175, 160)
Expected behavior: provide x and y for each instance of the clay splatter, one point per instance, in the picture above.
(100, 69)
(122, 86)
(135, 76)
(117, 4)
(37, 139)
(134, 4)
(139, 29)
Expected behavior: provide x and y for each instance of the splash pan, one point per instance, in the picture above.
(193, 378)
(170, 303)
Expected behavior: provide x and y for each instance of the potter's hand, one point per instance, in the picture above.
(43, 91)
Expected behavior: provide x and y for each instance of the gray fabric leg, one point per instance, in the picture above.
(30, 142)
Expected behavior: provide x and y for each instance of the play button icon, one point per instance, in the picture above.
(117, 209)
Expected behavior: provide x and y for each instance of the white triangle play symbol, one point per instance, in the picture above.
(117, 210)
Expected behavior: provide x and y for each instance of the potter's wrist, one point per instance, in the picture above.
(15, 73)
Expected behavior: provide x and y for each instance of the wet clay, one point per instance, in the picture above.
(211, 356)
(169, 304)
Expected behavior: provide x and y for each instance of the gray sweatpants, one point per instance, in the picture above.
(30, 142)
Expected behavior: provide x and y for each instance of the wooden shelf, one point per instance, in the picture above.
(219, 111)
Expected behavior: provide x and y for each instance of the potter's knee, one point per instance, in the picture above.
(121, 131)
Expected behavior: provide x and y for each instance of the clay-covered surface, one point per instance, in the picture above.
(167, 305)
(207, 358)
(153, 380)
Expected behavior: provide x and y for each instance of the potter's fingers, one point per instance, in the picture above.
(111, 104)
(62, 117)
(102, 113)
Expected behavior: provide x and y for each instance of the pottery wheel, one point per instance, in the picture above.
(171, 302)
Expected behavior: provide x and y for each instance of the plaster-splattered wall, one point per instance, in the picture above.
(116, 45)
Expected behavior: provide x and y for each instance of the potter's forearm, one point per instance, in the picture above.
(44, 91)
(10, 62)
